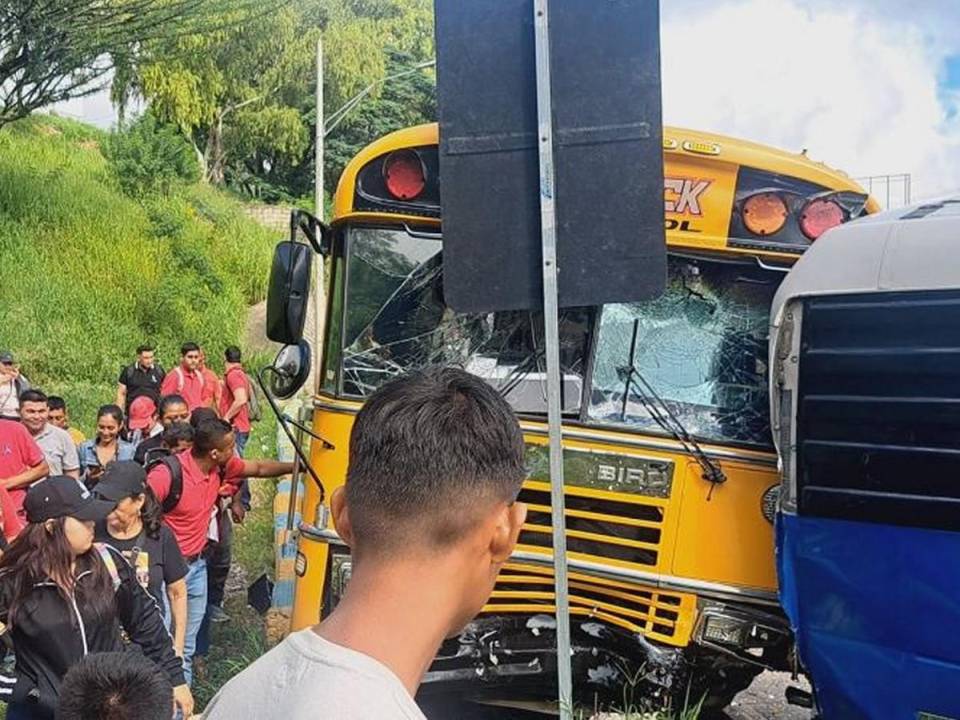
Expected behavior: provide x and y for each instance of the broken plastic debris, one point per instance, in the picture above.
(541, 622)
(593, 629)
(603, 675)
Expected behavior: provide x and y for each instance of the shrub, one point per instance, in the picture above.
(151, 157)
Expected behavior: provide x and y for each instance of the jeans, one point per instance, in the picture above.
(196, 608)
(218, 556)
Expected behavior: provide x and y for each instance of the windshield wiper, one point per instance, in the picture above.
(663, 416)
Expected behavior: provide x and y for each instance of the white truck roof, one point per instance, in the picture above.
(911, 248)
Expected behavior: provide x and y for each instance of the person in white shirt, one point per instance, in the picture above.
(429, 511)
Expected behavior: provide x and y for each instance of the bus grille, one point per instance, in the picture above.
(663, 616)
(600, 527)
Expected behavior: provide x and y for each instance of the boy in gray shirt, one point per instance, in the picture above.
(429, 511)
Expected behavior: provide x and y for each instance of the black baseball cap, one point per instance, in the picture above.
(61, 496)
(121, 480)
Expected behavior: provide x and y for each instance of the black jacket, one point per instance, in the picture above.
(50, 634)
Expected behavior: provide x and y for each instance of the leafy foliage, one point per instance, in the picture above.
(150, 157)
(244, 95)
(52, 51)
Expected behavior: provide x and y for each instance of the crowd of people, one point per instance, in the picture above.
(122, 540)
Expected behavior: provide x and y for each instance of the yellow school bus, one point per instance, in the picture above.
(670, 470)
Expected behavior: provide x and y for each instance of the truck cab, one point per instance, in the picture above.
(865, 403)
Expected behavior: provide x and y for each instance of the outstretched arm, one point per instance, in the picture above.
(266, 468)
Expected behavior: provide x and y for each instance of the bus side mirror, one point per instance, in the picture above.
(290, 370)
(288, 292)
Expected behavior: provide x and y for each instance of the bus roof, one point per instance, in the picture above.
(706, 176)
(734, 150)
(909, 248)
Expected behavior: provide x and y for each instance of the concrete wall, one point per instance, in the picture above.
(275, 217)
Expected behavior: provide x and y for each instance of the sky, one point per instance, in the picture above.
(871, 87)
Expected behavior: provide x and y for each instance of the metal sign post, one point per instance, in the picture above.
(551, 319)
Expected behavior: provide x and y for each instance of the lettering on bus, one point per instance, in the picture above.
(613, 472)
(682, 197)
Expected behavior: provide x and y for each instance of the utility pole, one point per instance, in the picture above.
(319, 294)
(551, 322)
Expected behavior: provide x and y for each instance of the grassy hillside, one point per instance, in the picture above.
(87, 274)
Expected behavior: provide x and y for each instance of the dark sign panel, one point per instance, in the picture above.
(605, 67)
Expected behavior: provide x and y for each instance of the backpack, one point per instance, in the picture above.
(111, 564)
(254, 401)
(172, 463)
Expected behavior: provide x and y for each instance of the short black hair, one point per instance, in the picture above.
(167, 400)
(177, 432)
(33, 395)
(208, 435)
(115, 686)
(202, 415)
(189, 347)
(232, 354)
(144, 348)
(55, 402)
(429, 453)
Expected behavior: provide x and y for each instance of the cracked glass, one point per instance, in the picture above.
(396, 321)
(701, 347)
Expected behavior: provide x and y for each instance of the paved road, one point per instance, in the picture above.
(764, 699)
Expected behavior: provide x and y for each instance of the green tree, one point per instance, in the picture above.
(53, 51)
(231, 89)
(244, 95)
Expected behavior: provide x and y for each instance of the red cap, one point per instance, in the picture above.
(141, 413)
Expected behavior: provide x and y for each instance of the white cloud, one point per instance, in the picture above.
(857, 88)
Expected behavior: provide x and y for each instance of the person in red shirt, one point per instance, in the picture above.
(235, 393)
(22, 463)
(209, 470)
(235, 396)
(187, 379)
(211, 384)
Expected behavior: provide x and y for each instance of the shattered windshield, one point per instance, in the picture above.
(396, 321)
(701, 347)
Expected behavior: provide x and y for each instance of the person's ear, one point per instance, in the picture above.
(341, 515)
(506, 531)
(49, 526)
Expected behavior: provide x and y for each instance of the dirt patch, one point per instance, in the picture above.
(255, 333)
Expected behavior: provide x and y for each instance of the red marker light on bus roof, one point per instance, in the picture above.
(818, 216)
(404, 175)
